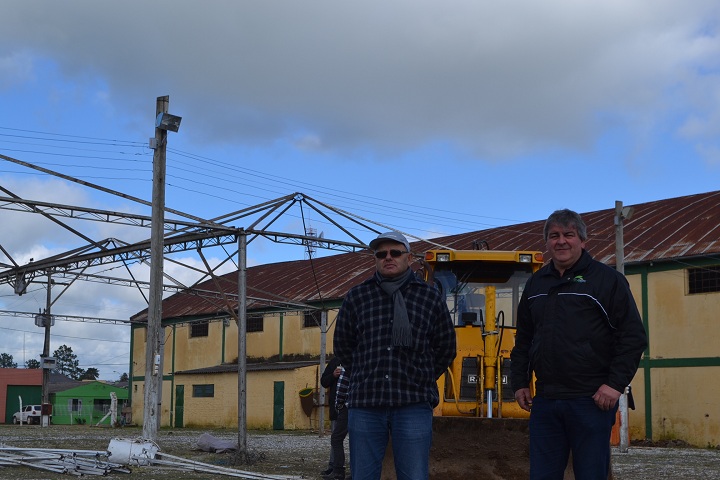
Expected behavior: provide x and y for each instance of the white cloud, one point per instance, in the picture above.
(396, 75)
(486, 79)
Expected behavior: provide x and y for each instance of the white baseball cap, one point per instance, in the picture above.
(392, 236)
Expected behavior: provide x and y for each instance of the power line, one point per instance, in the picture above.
(266, 184)
(65, 336)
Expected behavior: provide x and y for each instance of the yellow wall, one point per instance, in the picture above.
(137, 395)
(218, 411)
(682, 328)
(681, 325)
(685, 405)
(198, 352)
(305, 340)
(221, 410)
(636, 418)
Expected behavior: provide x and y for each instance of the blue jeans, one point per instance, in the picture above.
(411, 429)
(558, 427)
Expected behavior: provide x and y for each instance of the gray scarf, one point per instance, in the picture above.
(401, 323)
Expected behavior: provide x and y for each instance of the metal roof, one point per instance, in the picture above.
(251, 367)
(663, 230)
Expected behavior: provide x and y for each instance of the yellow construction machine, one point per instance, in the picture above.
(482, 289)
(478, 426)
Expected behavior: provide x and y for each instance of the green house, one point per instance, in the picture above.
(87, 403)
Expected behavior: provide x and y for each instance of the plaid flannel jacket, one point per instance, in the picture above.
(384, 375)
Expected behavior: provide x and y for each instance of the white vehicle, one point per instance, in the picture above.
(30, 414)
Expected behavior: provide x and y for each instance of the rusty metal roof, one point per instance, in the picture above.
(663, 230)
(251, 367)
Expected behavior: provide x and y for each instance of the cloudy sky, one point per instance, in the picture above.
(430, 117)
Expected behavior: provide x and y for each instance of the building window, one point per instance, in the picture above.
(204, 390)
(199, 329)
(255, 324)
(101, 406)
(75, 405)
(704, 280)
(312, 319)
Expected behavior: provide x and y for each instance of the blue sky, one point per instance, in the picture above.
(433, 118)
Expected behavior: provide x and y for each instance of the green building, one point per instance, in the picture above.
(87, 403)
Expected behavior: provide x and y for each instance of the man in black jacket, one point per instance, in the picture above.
(580, 332)
(329, 380)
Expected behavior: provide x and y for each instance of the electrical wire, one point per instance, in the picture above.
(267, 185)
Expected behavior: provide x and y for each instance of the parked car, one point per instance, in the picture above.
(29, 414)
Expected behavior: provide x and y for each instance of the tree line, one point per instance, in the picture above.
(67, 364)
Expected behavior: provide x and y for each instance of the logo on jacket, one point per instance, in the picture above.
(578, 279)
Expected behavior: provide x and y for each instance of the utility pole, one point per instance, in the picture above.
(620, 215)
(153, 374)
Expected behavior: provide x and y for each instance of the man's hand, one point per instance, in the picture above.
(524, 399)
(337, 372)
(606, 397)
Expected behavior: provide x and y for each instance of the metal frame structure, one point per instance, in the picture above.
(184, 233)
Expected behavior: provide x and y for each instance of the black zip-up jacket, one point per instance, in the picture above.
(329, 381)
(577, 332)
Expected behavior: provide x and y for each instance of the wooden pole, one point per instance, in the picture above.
(153, 372)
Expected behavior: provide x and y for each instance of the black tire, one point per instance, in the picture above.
(15, 420)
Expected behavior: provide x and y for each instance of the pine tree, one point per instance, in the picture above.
(91, 373)
(6, 361)
(67, 363)
(32, 363)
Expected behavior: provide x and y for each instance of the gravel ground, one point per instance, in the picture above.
(300, 454)
(287, 454)
(659, 463)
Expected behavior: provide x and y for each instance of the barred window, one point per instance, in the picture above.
(199, 329)
(255, 324)
(704, 280)
(207, 390)
(75, 405)
(312, 319)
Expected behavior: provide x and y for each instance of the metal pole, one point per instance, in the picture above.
(323, 348)
(624, 418)
(153, 374)
(620, 266)
(242, 344)
(46, 345)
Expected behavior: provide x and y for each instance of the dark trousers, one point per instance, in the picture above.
(337, 439)
(558, 427)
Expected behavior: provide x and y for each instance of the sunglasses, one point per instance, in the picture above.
(393, 253)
